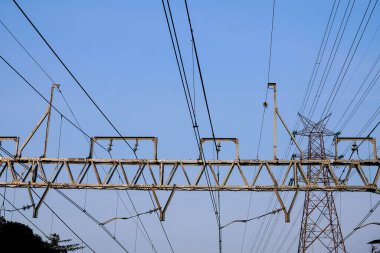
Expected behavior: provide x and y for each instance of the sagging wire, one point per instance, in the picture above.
(23, 208)
(360, 225)
(51, 79)
(130, 217)
(254, 218)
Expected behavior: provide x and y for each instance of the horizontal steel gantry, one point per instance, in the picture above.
(188, 175)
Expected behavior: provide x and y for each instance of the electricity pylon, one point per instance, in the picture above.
(320, 228)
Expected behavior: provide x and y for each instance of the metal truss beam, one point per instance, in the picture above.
(188, 175)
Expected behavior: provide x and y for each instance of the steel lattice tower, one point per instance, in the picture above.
(320, 226)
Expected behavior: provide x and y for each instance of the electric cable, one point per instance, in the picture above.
(262, 117)
(182, 72)
(23, 215)
(67, 198)
(47, 101)
(71, 74)
(251, 219)
(331, 58)
(335, 92)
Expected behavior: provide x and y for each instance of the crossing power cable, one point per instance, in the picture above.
(330, 61)
(60, 192)
(355, 71)
(342, 35)
(254, 218)
(337, 86)
(46, 100)
(191, 106)
(66, 225)
(340, 178)
(305, 99)
(361, 99)
(130, 217)
(317, 65)
(352, 56)
(68, 199)
(23, 215)
(261, 127)
(91, 99)
(349, 176)
(209, 118)
(70, 73)
(371, 211)
(317, 62)
(177, 51)
(357, 92)
(200, 74)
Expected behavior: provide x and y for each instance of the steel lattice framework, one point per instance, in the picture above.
(199, 174)
(320, 223)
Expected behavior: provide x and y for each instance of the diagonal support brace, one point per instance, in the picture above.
(42, 198)
(283, 207)
(160, 209)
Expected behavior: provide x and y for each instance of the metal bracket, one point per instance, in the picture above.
(160, 209)
(16, 139)
(124, 138)
(362, 139)
(276, 114)
(42, 198)
(234, 140)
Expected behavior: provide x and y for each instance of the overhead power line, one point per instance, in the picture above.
(69, 200)
(191, 106)
(71, 74)
(127, 218)
(333, 53)
(261, 130)
(40, 94)
(371, 211)
(254, 218)
(23, 215)
(342, 74)
(92, 100)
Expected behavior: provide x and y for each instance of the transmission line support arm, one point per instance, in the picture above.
(42, 198)
(159, 207)
(46, 114)
(276, 114)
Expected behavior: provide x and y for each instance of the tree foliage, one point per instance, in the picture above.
(16, 237)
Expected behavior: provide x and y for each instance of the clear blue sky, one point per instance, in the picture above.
(121, 52)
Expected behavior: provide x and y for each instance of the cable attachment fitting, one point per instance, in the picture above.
(354, 147)
(136, 147)
(109, 149)
(218, 147)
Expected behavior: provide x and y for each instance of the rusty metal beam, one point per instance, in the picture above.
(187, 175)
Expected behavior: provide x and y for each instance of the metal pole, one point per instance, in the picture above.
(273, 86)
(49, 116)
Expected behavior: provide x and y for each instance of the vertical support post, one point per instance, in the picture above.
(374, 149)
(273, 86)
(92, 140)
(237, 149)
(155, 142)
(49, 116)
